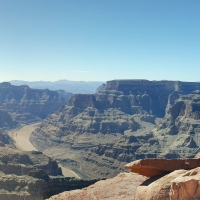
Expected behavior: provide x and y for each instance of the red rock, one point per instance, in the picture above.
(157, 188)
(186, 186)
(155, 166)
(121, 187)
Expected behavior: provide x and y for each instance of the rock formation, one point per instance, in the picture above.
(26, 105)
(21, 163)
(6, 120)
(157, 187)
(64, 94)
(174, 183)
(32, 176)
(120, 123)
(156, 166)
(177, 135)
(176, 179)
(186, 186)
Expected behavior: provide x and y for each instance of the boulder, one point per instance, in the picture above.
(157, 187)
(186, 186)
(155, 166)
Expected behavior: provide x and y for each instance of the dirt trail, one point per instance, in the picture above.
(21, 137)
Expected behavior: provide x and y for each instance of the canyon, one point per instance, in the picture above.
(125, 120)
(26, 173)
(95, 135)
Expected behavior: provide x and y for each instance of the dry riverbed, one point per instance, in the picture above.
(21, 137)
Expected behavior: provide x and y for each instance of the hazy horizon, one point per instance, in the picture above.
(99, 40)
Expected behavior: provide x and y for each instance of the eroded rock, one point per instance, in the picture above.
(156, 166)
(157, 187)
(186, 186)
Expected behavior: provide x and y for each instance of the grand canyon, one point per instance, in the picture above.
(51, 143)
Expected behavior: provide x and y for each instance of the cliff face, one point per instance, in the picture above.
(178, 133)
(6, 120)
(121, 123)
(32, 176)
(21, 163)
(26, 105)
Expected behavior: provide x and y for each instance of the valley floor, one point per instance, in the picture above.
(21, 137)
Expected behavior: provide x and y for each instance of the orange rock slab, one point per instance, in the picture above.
(155, 166)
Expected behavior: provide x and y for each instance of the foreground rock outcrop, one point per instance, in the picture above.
(186, 186)
(122, 187)
(122, 122)
(176, 179)
(174, 183)
(158, 187)
(156, 166)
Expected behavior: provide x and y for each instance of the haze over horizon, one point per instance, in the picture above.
(99, 40)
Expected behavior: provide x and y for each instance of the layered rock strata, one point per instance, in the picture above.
(177, 135)
(32, 176)
(27, 105)
(117, 123)
(21, 162)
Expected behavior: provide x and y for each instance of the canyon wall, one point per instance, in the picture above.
(26, 105)
(120, 123)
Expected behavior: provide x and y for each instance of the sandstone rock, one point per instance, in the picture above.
(186, 186)
(122, 187)
(157, 187)
(156, 166)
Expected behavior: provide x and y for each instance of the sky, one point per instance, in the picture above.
(99, 40)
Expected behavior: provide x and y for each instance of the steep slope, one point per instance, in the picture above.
(116, 122)
(6, 120)
(178, 133)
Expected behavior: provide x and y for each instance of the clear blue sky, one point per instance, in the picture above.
(99, 40)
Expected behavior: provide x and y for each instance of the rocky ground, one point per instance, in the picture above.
(122, 187)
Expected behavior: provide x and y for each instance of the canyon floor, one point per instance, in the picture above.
(21, 137)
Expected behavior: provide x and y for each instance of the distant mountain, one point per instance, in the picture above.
(75, 87)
